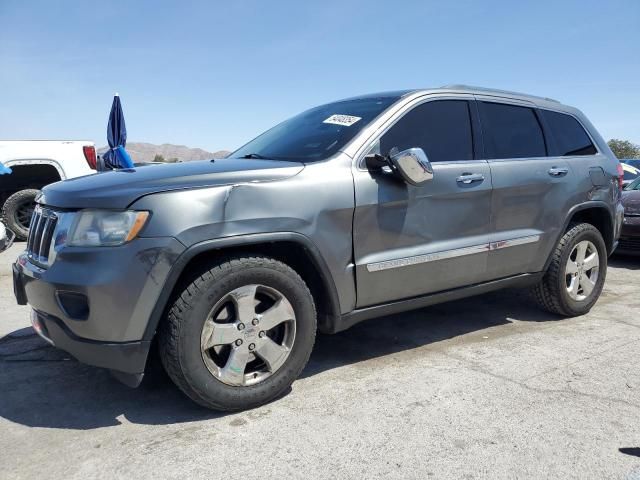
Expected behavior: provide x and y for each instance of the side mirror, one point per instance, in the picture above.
(413, 165)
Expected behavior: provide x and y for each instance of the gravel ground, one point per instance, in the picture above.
(488, 387)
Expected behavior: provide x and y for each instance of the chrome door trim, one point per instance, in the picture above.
(446, 254)
(514, 242)
(429, 257)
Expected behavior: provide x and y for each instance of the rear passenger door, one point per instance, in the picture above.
(568, 140)
(530, 194)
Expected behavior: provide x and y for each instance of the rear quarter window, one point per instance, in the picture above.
(569, 136)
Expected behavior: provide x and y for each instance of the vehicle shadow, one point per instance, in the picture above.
(428, 326)
(44, 387)
(631, 262)
(633, 451)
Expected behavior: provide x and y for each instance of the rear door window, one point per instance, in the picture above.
(442, 128)
(511, 131)
(570, 138)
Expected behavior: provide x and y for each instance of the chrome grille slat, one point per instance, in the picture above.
(39, 235)
(41, 231)
(48, 236)
(34, 219)
(43, 238)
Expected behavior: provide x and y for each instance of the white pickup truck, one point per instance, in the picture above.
(34, 164)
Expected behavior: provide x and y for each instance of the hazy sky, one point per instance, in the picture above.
(214, 74)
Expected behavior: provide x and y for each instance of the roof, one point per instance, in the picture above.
(541, 102)
(494, 91)
(388, 94)
(460, 89)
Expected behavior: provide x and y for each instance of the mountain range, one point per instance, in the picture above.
(146, 152)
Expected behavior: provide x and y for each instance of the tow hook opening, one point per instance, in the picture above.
(40, 327)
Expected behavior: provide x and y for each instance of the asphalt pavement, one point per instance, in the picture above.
(487, 387)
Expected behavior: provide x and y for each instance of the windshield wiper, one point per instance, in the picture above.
(254, 155)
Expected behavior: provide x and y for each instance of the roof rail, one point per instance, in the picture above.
(494, 90)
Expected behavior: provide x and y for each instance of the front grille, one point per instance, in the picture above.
(43, 224)
(629, 243)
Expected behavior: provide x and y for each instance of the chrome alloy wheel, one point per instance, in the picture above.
(248, 335)
(581, 271)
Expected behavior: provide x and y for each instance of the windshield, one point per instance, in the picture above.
(317, 133)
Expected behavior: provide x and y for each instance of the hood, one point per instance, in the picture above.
(120, 188)
(631, 201)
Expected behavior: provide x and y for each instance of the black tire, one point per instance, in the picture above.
(180, 332)
(14, 212)
(551, 293)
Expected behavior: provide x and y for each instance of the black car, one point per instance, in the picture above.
(634, 162)
(630, 234)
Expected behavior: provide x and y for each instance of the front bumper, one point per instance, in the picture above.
(128, 359)
(630, 235)
(95, 303)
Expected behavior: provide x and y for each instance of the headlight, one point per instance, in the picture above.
(105, 228)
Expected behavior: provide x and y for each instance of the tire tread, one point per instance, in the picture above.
(8, 209)
(170, 330)
(546, 293)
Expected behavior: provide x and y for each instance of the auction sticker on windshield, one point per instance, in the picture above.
(346, 120)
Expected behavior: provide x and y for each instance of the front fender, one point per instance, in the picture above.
(242, 241)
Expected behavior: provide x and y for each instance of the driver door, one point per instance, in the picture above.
(408, 240)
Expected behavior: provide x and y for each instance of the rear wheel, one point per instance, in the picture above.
(17, 211)
(239, 334)
(575, 278)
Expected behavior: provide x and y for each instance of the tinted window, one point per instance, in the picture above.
(511, 131)
(633, 163)
(629, 175)
(317, 133)
(441, 128)
(635, 185)
(570, 137)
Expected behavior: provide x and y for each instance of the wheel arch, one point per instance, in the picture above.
(596, 213)
(31, 162)
(29, 174)
(600, 216)
(294, 249)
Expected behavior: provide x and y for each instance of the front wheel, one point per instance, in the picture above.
(239, 334)
(575, 278)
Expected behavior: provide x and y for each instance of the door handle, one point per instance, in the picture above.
(468, 178)
(558, 172)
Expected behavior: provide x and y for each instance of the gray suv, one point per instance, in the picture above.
(351, 210)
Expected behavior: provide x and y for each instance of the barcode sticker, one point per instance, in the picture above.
(345, 120)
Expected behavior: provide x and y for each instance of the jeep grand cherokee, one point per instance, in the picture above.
(351, 210)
